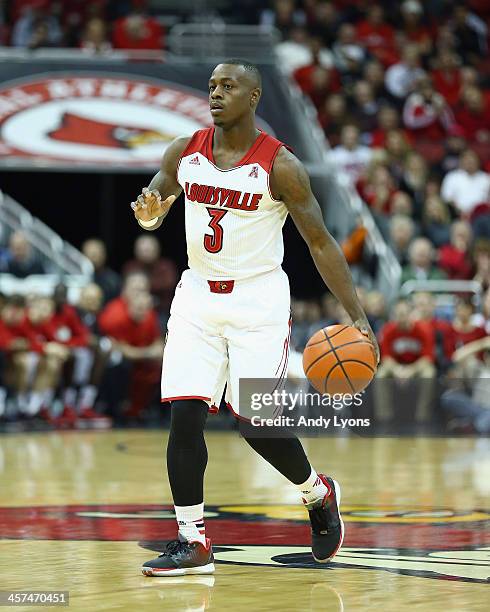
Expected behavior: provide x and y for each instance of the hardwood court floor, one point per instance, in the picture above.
(81, 512)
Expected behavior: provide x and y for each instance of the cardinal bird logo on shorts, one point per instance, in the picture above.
(254, 173)
(82, 130)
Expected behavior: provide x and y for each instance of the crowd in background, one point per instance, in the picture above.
(402, 92)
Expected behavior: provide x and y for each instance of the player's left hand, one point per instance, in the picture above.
(363, 326)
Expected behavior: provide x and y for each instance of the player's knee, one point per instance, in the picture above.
(188, 417)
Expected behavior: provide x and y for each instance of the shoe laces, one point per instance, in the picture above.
(174, 547)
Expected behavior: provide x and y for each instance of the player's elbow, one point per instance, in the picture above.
(318, 243)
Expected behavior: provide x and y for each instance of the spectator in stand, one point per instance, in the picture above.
(397, 147)
(16, 345)
(467, 186)
(464, 328)
(89, 307)
(317, 81)
(349, 55)
(110, 283)
(481, 261)
(136, 337)
(401, 78)
(117, 309)
(454, 145)
(425, 312)
(37, 27)
(94, 37)
(482, 319)
(137, 31)
(474, 115)
(421, 262)
(21, 260)
(333, 117)
(455, 257)
(350, 156)
(413, 29)
(426, 113)
(407, 352)
(446, 76)
(78, 394)
(414, 180)
(53, 356)
(161, 271)
(402, 204)
(470, 33)
(469, 399)
(388, 119)
(283, 16)
(378, 36)
(364, 107)
(323, 20)
(295, 51)
(401, 234)
(377, 188)
(435, 221)
(376, 310)
(374, 74)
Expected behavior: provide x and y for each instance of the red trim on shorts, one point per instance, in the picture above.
(235, 414)
(184, 397)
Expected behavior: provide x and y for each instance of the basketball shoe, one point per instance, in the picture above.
(181, 558)
(327, 527)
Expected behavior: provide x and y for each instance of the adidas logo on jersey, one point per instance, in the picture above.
(195, 161)
(254, 173)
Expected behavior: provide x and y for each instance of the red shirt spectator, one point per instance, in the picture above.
(464, 330)
(377, 36)
(116, 321)
(406, 344)
(447, 77)
(474, 114)
(69, 329)
(454, 258)
(161, 271)
(317, 82)
(10, 333)
(426, 114)
(137, 32)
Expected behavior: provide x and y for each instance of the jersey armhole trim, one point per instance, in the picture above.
(271, 166)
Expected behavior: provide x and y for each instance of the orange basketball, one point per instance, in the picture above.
(339, 359)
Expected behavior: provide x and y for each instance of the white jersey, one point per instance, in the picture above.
(233, 223)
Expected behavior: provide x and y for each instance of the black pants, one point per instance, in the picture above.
(187, 455)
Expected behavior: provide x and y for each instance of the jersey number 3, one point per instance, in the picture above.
(214, 243)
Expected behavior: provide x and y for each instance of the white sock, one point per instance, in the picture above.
(35, 402)
(70, 397)
(3, 397)
(191, 522)
(48, 396)
(88, 393)
(313, 489)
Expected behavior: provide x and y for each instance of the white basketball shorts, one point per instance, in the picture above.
(214, 339)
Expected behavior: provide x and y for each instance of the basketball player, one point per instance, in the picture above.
(230, 314)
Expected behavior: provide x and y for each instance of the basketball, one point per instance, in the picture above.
(339, 359)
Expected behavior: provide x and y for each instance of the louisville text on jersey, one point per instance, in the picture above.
(219, 196)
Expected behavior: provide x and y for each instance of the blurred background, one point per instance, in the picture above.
(386, 103)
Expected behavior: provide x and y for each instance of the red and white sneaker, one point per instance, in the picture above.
(67, 419)
(327, 527)
(89, 419)
(182, 558)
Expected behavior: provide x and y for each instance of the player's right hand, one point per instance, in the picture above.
(149, 205)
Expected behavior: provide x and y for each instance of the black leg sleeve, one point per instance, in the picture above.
(187, 454)
(286, 453)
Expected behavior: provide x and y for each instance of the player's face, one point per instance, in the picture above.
(232, 94)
